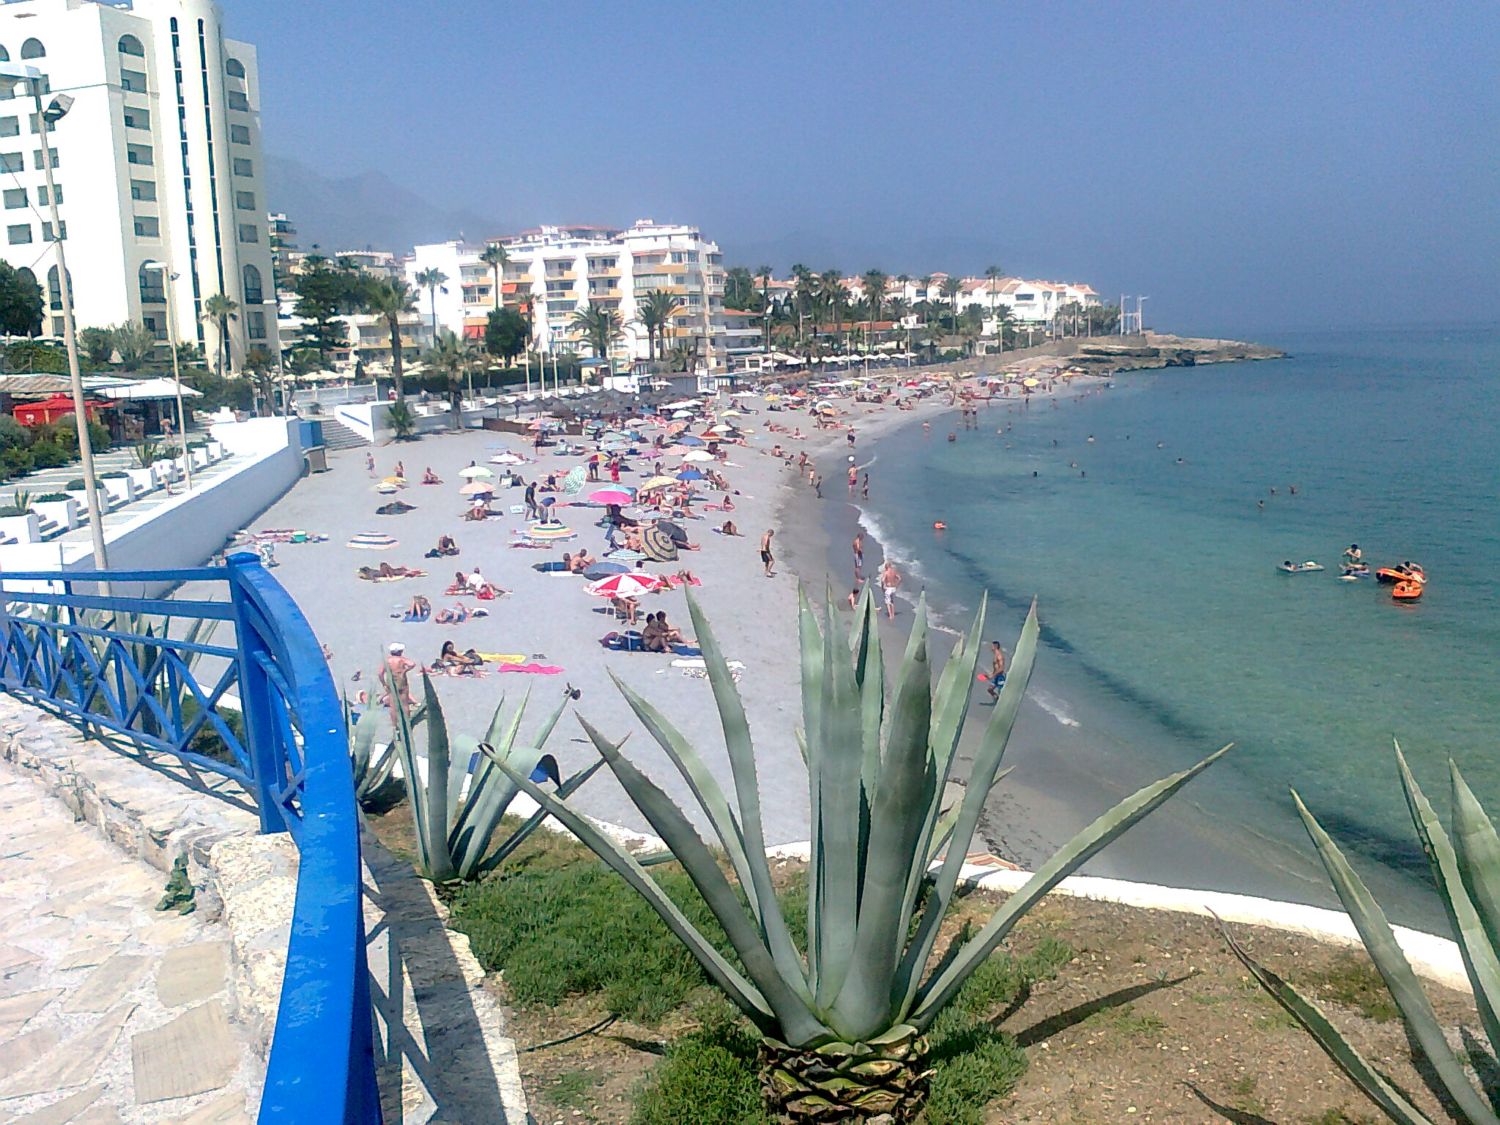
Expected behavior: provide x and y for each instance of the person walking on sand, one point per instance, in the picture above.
(890, 581)
(818, 484)
(768, 559)
(997, 669)
(858, 547)
(370, 464)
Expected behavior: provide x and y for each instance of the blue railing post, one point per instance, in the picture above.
(255, 701)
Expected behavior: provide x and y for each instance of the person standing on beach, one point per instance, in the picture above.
(818, 484)
(531, 511)
(768, 559)
(398, 667)
(858, 546)
(997, 669)
(864, 491)
(890, 580)
(370, 464)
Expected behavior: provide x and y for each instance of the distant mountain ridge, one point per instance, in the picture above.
(366, 210)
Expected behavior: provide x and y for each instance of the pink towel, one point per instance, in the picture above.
(534, 669)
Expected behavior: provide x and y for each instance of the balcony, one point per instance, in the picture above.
(609, 271)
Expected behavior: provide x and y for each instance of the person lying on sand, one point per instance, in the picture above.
(627, 608)
(419, 609)
(386, 570)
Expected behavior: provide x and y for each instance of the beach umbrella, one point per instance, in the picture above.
(575, 480)
(631, 584)
(690, 474)
(475, 471)
(689, 439)
(548, 532)
(386, 489)
(625, 554)
(604, 570)
(476, 488)
(674, 530)
(611, 496)
(697, 455)
(507, 459)
(1031, 382)
(372, 541)
(658, 544)
(657, 482)
(682, 414)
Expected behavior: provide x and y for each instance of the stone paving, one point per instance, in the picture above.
(110, 1011)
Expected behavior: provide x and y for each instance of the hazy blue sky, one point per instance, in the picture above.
(1248, 166)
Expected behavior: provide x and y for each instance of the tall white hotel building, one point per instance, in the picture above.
(158, 159)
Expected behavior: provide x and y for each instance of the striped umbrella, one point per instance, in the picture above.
(630, 585)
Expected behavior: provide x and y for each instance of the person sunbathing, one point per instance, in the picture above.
(455, 616)
(477, 511)
(419, 610)
(462, 663)
(386, 570)
(653, 636)
(430, 477)
(729, 528)
(671, 635)
(579, 562)
(627, 608)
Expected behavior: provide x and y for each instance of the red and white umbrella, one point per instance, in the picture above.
(629, 585)
(611, 496)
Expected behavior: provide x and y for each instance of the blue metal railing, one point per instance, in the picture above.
(111, 662)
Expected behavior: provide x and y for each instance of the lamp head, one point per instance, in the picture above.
(57, 109)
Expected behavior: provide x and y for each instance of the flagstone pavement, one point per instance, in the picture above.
(110, 1011)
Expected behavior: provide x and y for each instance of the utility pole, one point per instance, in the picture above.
(708, 339)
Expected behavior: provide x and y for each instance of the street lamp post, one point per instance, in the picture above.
(46, 118)
(167, 277)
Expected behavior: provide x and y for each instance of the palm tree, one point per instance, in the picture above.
(600, 326)
(835, 297)
(391, 300)
(656, 313)
(221, 310)
(926, 284)
(873, 283)
(431, 279)
(683, 354)
(495, 257)
(951, 288)
(804, 294)
(739, 286)
(764, 273)
(448, 357)
(995, 273)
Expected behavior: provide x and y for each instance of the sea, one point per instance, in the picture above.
(1147, 519)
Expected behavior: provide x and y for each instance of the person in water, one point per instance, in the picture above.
(1352, 556)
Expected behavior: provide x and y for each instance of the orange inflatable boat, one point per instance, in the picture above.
(1407, 591)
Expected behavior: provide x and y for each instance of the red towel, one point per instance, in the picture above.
(534, 669)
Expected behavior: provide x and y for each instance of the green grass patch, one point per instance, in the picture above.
(1353, 982)
(1125, 1020)
(570, 1089)
(708, 1075)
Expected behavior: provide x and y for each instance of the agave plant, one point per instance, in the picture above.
(843, 1028)
(375, 783)
(1466, 870)
(457, 813)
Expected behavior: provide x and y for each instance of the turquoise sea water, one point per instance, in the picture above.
(1164, 614)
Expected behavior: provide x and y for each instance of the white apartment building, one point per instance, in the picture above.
(557, 270)
(1028, 301)
(159, 158)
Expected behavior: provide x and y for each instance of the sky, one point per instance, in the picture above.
(1248, 167)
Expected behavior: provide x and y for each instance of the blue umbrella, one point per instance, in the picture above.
(690, 474)
(689, 439)
(604, 570)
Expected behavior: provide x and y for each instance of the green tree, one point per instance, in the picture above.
(739, 288)
(322, 294)
(600, 326)
(804, 297)
(764, 273)
(682, 355)
(873, 283)
(495, 257)
(20, 301)
(260, 365)
(431, 279)
(220, 309)
(505, 334)
(135, 343)
(835, 298)
(391, 300)
(951, 288)
(656, 313)
(448, 358)
(97, 346)
(925, 281)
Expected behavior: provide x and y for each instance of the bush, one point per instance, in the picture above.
(11, 510)
(16, 462)
(77, 484)
(13, 435)
(114, 474)
(52, 497)
(49, 455)
(708, 1075)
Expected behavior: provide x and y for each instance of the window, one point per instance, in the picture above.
(47, 230)
(239, 134)
(153, 287)
(143, 189)
(249, 232)
(255, 324)
(18, 234)
(254, 294)
(10, 126)
(12, 162)
(33, 49)
(156, 325)
(234, 68)
(137, 118)
(4, 55)
(41, 194)
(243, 167)
(139, 154)
(133, 80)
(130, 45)
(15, 197)
(147, 226)
(245, 200)
(36, 157)
(238, 100)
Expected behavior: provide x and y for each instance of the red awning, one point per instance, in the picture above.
(51, 409)
(473, 332)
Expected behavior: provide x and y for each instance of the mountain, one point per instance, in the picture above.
(365, 210)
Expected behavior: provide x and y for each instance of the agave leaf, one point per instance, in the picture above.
(744, 995)
(838, 755)
(421, 810)
(935, 993)
(869, 675)
(810, 640)
(944, 828)
(1478, 850)
(519, 836)
(741, 750)
(981, 779)
(1390, 961)
(439, 807)
(786, 993)
(899, 814)
(1478, 954)
(700, 780)
(1334, 1045)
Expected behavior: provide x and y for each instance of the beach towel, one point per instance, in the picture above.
(676, 580)
(691, 663)
(372, 541)
(532, 669)
(503, 657)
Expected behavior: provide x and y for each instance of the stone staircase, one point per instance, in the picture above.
(336, 435)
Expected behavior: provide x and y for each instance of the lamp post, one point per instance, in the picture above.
(167, 276)
(46, 117)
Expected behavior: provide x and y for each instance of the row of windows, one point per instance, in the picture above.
(19, 234)
(15, 162)
(31, 49)
(152, 292)
(16, 197)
